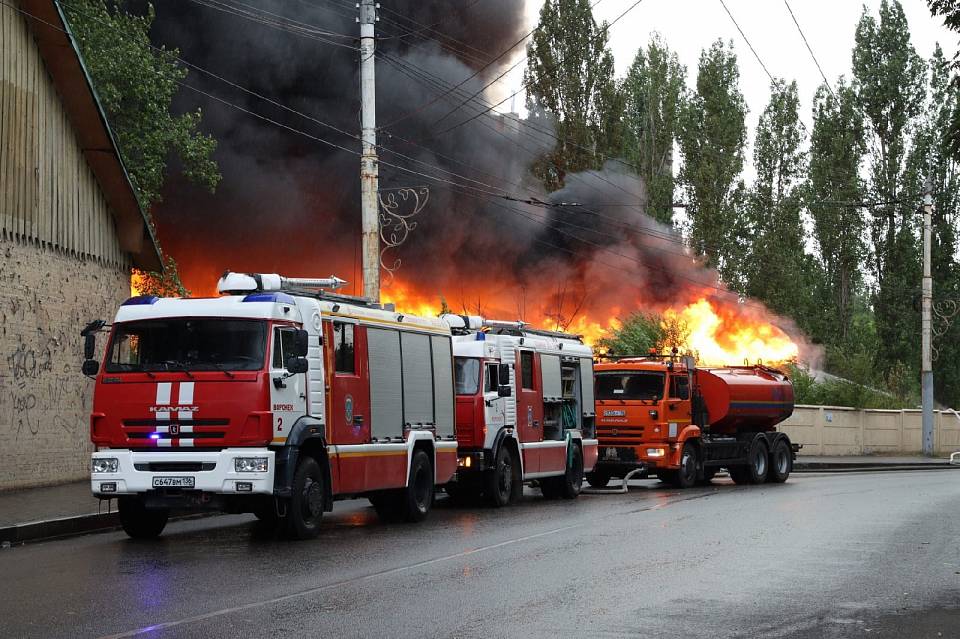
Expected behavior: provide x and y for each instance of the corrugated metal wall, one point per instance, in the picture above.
(48, 194)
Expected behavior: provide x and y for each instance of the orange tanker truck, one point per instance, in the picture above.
(662, 416)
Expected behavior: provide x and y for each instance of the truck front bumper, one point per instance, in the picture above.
(199, 471)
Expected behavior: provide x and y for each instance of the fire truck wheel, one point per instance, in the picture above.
(306, 502)
(418, 496)
(573, 480)
(781, 463)
(498, 482)
(598, 479)
(686, 475)
(140, 522)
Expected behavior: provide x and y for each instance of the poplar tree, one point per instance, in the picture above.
(570, 82)
(712, 137)
(889, 80)
(653, 89)
(837, 147)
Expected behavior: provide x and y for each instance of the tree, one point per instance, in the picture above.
(931, 156)
(653, 89)
(644, 331)
(837, 147)
(712, 137)
(777, 270)
(135, 83)
(950, 11)
(569, 80)
(889, 82)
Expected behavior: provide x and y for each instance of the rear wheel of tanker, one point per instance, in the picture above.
(417, 498)
(781, 462)
(140, 522)
(499, 480)
(305, 509)
(686, 475)
(598, 479)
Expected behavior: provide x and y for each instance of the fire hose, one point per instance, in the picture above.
(622, 490)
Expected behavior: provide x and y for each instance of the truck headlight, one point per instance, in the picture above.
(250, 464)
(104, 465)
(655, 452)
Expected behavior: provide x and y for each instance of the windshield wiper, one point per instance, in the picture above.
(180, 366)
(219, 367)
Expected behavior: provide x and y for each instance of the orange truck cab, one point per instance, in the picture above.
(662, 416)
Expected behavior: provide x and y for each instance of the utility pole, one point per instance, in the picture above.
(369, 170)
(926, 365)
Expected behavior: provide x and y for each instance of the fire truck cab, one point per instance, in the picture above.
(525, 409)
(276, 398)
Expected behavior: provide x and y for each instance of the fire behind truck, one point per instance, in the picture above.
(668, 418)
(525, 409)
(276, 398)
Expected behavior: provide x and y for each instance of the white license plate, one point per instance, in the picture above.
(612, 453)
(174, 482)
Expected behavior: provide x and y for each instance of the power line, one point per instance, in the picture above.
(747, 40)
(815, 61)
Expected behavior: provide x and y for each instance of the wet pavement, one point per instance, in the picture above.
(852, 555)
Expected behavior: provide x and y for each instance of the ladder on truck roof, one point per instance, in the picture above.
(232, 283)
(474, 323)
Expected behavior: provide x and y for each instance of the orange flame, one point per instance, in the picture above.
(720, 336)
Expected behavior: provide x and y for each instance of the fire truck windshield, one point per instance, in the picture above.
(644, 385)
(467, 374)
(187, 344)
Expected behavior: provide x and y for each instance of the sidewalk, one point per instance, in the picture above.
(70, 509)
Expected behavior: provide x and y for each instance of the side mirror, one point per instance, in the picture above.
(301, 344)
(89, 346)
(90, 367)
(297, 365)
(504, 391)
(503, 374)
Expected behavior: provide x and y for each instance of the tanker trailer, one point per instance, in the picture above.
(664, 417)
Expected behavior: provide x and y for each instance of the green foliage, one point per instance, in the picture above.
(889, 82)
(642, 331)
(839, 392)
(776, 268)
(569, 80)
(837, 147)
(136, 85)
(653, 89)
(712, 137)
(166, 283)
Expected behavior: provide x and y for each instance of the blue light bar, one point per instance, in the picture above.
(481, 337)
(140, 300)
(282, 298)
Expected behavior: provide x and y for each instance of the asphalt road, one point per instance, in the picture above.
(852, 555)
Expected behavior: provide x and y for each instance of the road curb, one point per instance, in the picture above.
(826, 467)
(61, 527)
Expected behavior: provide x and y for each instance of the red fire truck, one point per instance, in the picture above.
(276, 398)
(525, 409)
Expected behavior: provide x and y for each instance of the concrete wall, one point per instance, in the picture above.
(45, 299)
(832, 430)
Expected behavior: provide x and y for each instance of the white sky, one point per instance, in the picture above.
(689, 26)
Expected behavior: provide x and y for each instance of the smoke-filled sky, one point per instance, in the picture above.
(290, 204)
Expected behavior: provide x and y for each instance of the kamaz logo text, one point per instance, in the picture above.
(177, 409)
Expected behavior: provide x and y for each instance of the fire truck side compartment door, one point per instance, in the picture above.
(386, 383)
(550, 375)
(288, 399)
(417, 379)
(586, 387)
(443, 401)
